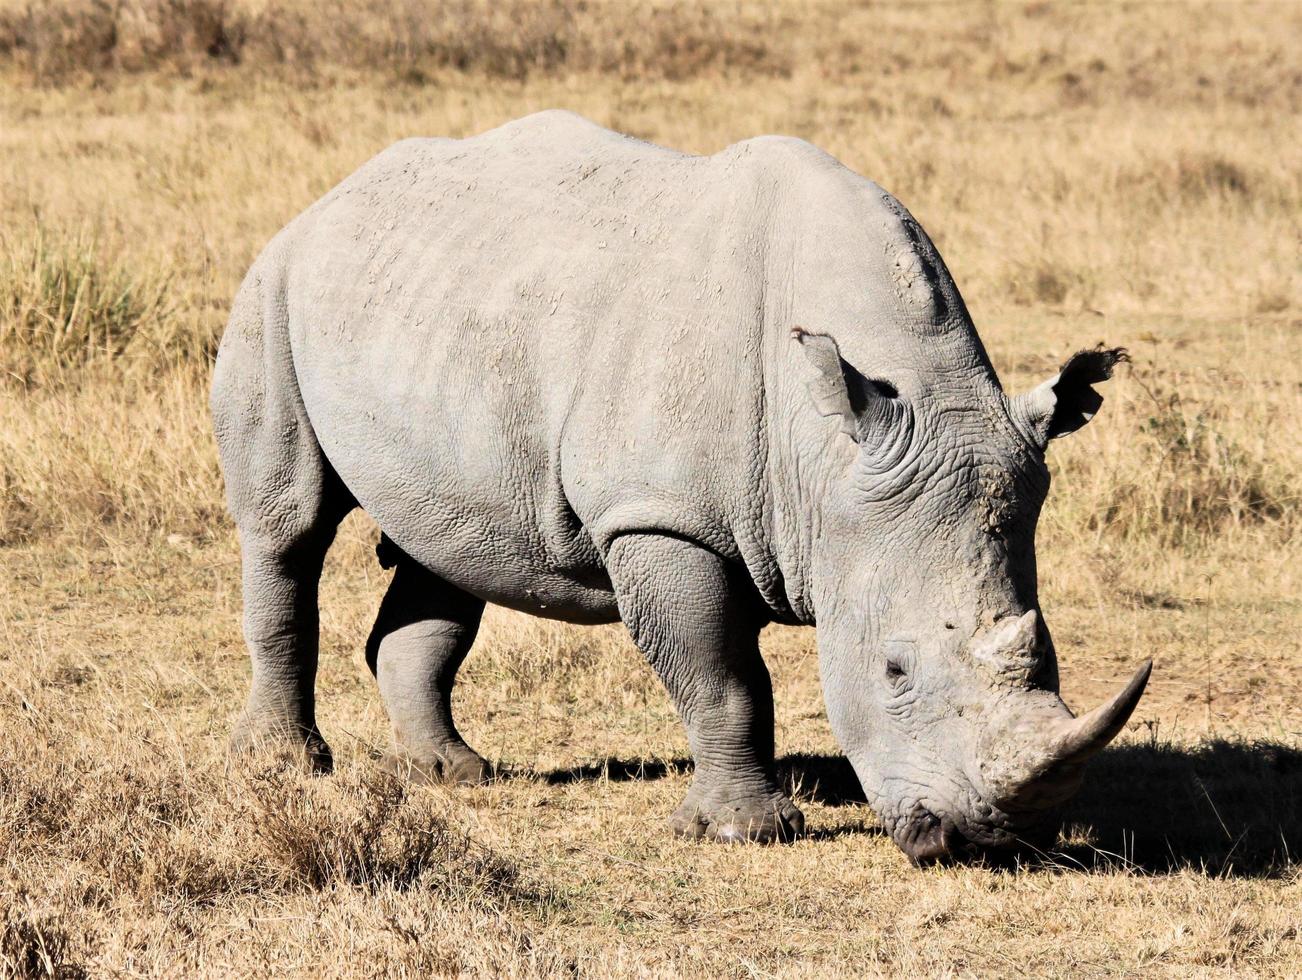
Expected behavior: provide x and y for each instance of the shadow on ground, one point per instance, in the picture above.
(1223, 808)
(1226, 808)
(825, 779)
(618, 771)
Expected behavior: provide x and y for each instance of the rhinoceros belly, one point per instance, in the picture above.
(458, 467)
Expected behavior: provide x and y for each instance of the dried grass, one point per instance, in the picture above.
(1091, 172)
(64, 306)
(55, 42)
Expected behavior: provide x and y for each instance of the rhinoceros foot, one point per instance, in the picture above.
(457, 764)
(284, 743)
(756, 820)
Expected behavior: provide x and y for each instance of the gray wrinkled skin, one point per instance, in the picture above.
(562, 369)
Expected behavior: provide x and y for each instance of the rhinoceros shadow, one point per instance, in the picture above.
(1221, 808)
(618, 771)
(826, 779)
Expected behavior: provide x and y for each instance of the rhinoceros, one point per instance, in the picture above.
(595, 379)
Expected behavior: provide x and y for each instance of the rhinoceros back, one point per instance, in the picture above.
(515, 347)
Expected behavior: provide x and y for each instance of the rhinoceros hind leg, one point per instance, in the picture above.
(280, 626)
(287, 502)
(698, 624)
(422, 634)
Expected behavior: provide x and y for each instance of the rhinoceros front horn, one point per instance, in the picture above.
(1053, 758)
(1082, 737)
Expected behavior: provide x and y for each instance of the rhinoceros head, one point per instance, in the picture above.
(939, 674)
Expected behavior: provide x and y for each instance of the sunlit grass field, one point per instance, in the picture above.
(1119, 173)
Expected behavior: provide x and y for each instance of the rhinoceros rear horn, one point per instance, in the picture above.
(1082, 737)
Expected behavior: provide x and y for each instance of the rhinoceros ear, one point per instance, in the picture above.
(837, 388)
(1067, 401)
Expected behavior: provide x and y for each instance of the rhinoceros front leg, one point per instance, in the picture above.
(421, 636)
(690, 614)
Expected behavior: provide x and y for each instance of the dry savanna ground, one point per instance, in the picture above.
(1127, 173)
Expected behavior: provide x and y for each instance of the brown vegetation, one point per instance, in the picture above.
(512, 40)
(1091, 172)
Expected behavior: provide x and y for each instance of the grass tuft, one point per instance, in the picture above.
(1191, 467)
(34, 946)
(64, 305)
(374, 836)
(141, 832)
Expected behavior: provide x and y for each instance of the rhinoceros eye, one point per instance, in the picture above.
(899, 656)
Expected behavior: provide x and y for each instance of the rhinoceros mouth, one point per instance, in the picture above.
(928, 839)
